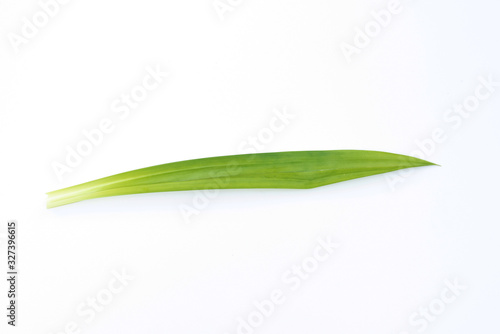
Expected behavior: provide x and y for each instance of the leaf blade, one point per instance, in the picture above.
(289, 170)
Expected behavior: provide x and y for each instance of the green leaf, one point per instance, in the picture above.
(293, 170)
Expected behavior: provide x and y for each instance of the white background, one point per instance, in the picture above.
(398, 244)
